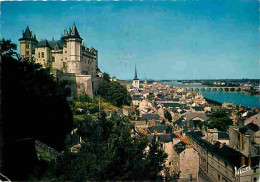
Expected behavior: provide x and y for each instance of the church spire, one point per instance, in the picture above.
(135, 74)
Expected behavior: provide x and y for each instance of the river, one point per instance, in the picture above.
(231, 97)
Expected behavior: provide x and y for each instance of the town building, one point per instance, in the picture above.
(186, 162)
(67, 58)
(219, 162)
(246, 136)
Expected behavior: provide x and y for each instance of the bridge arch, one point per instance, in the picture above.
(226, 89)
(238, 89)
(232, 89)
(196, 89)
(220, 89)
(208, 89)
(202, 89)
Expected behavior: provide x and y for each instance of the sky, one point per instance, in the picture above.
(175, 40)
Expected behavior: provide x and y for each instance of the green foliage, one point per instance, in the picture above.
(114, 93)
(110, 153)
(82, 97)
(8, 49)
(220, 120)
(154, 160)
(106, 77)
(170, 176)
(199, 123)
(168, 115)
(34, 106)
(150, 97)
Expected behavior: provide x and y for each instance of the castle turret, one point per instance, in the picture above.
(72, 50)
(28, 43)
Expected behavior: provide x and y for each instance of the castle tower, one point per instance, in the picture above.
(72, 50)
(27, 44)
(135, 82)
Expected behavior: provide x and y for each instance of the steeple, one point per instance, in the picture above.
(135, 74)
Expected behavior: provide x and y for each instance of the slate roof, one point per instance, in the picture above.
(53, 43)
(157, 122)
(255, 119)
(253, 127)
(72, 33)
(27, 35)
(170, 104)
(160, 128)
(197, 108)
(43, 43)
(179, 147)
(191, 116)
(150, 116)
(173, 135)
(244, 131)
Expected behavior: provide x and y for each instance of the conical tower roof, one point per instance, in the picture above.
(73, 33)
(28, 35)
(135, 74)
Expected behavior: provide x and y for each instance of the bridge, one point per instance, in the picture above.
(220, 89)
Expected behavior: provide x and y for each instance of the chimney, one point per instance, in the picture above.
(155, 132)
(164, 132)
(243, 161)
(249, 161)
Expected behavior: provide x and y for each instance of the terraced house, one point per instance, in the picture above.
(67, 58)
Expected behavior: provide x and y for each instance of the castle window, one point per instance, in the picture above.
(27, 53)
(39, 54)
(27, 46)
(42, 54)
(53, 59)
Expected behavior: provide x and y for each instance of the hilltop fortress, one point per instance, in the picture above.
(67, 58)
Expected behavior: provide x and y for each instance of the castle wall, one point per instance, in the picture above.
(44, 58)
(57, 62)
(84, 83)
(77, 83)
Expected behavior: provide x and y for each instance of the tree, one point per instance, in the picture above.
(34, 106)
(106, 77)
(8, 49)
(155, 160)
(170, 176)
(110, 153)
(114, 93)
(220, 120)
(168, 115)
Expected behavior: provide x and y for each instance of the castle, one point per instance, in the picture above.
(67, 58)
